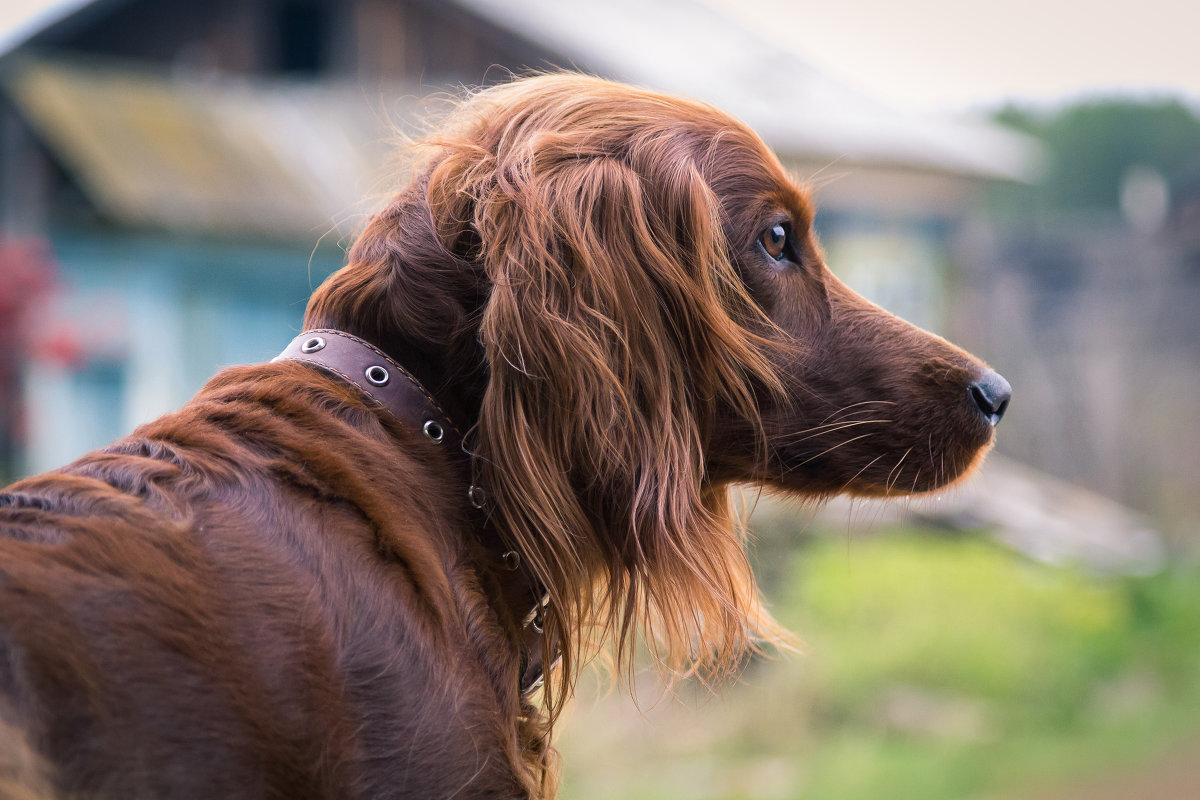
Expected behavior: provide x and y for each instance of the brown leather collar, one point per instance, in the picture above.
(386, 383)
(378, 376)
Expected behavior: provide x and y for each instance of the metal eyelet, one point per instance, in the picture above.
(512, 560)
(536, 618)
(433, 430)
(477, 496)
(377, 375)
(312, 344)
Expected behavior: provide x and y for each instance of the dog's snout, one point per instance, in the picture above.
(991, 393)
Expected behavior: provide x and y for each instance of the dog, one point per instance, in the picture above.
(375, 566)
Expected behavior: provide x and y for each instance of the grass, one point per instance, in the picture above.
(936, 668)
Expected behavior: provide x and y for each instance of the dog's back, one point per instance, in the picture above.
(192, 613)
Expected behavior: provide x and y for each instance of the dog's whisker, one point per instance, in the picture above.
(851, 416)
(844, 409)
(854, 477)
(829, 450)
(889, 483)
(825, 430)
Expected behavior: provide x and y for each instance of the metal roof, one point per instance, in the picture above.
(280, 159)
(688, 47)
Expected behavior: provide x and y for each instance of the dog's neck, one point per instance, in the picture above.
(387, 383)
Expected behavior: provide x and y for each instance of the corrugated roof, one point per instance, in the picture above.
(279, 160)
(690, 48)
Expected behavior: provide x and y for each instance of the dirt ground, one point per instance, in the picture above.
(1174, 777)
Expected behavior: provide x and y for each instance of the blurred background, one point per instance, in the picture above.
(1024, 178)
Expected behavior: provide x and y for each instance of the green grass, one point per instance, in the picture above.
(936, 668)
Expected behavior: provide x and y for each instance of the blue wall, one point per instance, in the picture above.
(151, 318)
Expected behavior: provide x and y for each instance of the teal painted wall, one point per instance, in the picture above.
(141, 322)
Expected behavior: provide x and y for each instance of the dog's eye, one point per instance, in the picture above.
(774, 240)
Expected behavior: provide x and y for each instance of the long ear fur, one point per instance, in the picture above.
(615, 329)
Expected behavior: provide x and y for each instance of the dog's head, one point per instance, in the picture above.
(621, 291)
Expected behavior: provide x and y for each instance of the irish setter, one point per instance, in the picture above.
(599, 307)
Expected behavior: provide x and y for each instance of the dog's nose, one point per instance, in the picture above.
(991, 394)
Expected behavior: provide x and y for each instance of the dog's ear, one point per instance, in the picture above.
(615, 329)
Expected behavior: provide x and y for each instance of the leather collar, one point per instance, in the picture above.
(389, 385)
(385, 382)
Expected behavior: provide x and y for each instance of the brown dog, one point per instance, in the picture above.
(508, 434)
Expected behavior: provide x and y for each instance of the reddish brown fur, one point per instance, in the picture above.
(278, 590)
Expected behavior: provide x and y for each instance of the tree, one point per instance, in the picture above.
(1093, 144)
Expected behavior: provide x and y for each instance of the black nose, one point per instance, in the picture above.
(991, 394)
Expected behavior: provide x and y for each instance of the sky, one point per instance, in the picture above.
(949, 55)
